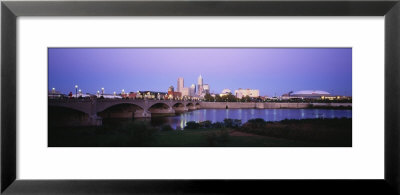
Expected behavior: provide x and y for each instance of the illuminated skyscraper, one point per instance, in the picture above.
(200, 80)
(192, 90)
(180, 84)
(206, 88)
(200, 85)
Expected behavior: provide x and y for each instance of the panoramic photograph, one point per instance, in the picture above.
(199, 97)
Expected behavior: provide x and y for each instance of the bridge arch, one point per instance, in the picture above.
(76, 107)
(121, 110)
(179, 107)
(191, 106)
(101, 106)
(67, 116)
(179, 104)
(160, 108)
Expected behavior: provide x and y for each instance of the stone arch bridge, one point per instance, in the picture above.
(97, 109)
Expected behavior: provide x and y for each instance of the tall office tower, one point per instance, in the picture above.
(200, 80)
(192, 90)
(180, 84)
(200, 85)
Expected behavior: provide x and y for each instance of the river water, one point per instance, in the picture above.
(218, 115)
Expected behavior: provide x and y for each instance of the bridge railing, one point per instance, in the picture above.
(115, 100)
(69, 100)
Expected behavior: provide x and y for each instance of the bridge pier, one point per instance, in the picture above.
(181, 109)
(95, 120)
(161, 111)
(142, 114)
(191, 107)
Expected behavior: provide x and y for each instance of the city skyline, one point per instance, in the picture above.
(271, 70)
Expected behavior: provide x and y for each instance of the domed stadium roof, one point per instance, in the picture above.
(310, 92)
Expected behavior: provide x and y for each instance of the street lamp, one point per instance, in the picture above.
(53, 91)
(76, 91)
(114, 94)
(98, 93)
(80, 92)
(102, 91)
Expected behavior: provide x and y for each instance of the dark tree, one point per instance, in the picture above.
(208, 98)
(246, 98)
(218, 98)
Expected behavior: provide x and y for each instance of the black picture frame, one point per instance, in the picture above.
(11, 10)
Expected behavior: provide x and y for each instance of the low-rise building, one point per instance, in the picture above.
(151, 94)
(253, 93)
(131, 95)
(225, 92)
(185, 92)
(206, 88)
(53, 94)
(174, 95)
(110, 96)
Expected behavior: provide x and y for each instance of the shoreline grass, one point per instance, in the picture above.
(286, 133)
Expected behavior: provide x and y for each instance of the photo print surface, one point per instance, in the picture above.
(199, 97)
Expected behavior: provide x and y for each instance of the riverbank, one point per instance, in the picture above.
(288, 133)
(273, 105)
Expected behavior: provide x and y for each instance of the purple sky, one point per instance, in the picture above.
(271, 70)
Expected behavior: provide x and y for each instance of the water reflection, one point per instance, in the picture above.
(218, 115)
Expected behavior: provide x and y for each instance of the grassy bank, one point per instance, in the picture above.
(330, 132)
(230, 133)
